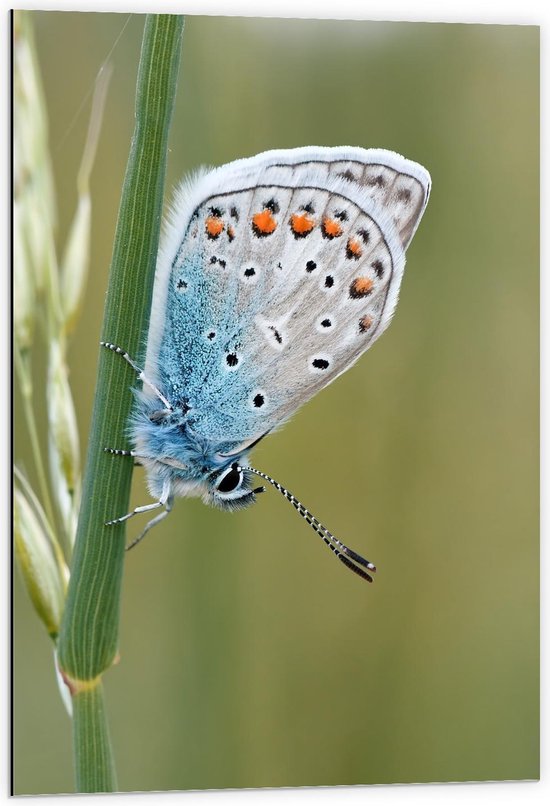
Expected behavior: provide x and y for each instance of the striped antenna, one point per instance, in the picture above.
(350, 558)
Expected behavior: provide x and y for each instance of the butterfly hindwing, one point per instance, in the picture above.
(288, 269)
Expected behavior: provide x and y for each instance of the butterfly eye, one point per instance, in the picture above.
(230, 480)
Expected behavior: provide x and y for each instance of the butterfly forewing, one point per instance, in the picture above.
(289, 270)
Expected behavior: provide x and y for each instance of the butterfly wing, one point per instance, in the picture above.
(277, 273)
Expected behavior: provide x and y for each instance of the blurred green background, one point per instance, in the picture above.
(249, 656)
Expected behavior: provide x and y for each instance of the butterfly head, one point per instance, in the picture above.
(231, 487)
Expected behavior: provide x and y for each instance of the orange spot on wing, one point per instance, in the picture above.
(301, 223)
(214, 225)
(360, 287)
(365, 323)
(263, 223)
(353, 248)
(332, 228)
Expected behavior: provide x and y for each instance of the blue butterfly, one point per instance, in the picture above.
(276, 273)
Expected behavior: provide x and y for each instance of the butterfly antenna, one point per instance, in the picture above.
(350, 558)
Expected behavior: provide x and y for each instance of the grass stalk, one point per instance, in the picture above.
(93, 754)
(88, 641)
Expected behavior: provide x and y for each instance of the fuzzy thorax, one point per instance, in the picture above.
(171, 452)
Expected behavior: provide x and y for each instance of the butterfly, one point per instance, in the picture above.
(276, 273)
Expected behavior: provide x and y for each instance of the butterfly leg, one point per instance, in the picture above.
(140, 373)
(120, 452)
(163, 500)
(136, 511)
(153, 522)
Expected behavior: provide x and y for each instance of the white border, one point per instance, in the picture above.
(531, 12)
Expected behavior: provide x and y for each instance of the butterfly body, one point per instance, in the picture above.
(189, 462)
(277, 272)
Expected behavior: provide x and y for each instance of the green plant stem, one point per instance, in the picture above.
(89, 632)
(94, 766)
